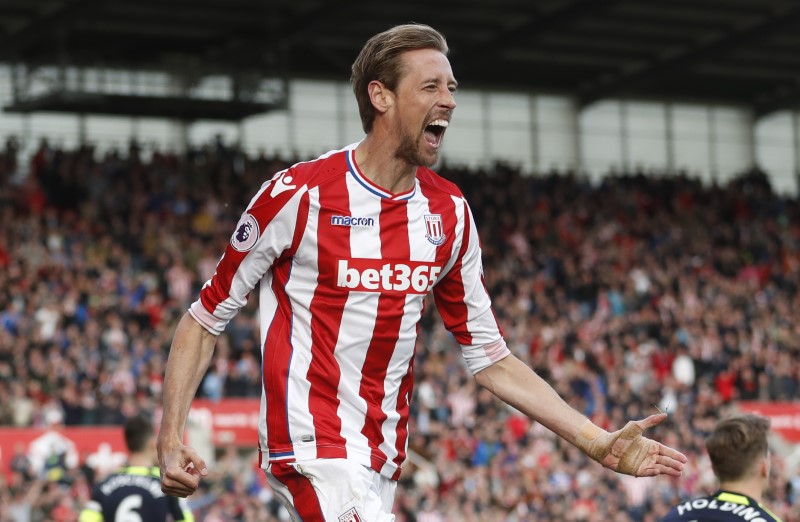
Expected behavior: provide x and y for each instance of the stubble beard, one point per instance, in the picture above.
(410, 150)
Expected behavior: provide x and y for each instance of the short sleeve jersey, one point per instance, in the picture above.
(344, 268)
(722, 506)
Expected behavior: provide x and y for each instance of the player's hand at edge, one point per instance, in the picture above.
(181, 469)
(627, 451)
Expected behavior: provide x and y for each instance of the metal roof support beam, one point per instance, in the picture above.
(628, 80)
(537, 20)
(49, 21)
(783, 97)
(278, 38)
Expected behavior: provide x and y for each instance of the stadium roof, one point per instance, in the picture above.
(744, 52)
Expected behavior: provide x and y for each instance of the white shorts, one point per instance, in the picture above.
(332, 490)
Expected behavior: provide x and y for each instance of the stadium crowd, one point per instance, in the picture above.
(642, 291)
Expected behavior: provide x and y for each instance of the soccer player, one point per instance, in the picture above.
(345, 248)
(739, 452)
(134, 494)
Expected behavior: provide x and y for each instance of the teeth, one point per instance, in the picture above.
(440, 123)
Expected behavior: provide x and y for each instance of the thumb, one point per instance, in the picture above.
(652, 420)
(194, 464)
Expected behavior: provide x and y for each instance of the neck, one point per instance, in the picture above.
(378, 162)
(753, 488)
(140, 459)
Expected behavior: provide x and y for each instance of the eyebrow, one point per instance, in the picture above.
(453, 82)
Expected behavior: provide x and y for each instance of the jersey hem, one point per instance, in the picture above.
(387, 468)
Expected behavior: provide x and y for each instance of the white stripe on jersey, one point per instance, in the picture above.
(398, 368)
(458, 204)
(420, 250)
(301, 286)
(359, 315)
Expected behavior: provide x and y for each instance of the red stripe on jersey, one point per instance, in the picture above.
(264, 210)
(277, 354)
(304, 497)
(277, 357)
(220, 286)
(394, 245)
(326, 311)
(449, 293)
(442, 204)
(406, 389)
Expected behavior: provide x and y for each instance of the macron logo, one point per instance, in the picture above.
(348, 221)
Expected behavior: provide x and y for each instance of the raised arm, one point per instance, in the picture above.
(625, 450)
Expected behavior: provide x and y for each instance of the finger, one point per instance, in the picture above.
(180, 483)
(183, 478)
(660, 470)
(671, 463)
(652, 420)
(188, 459)
(192, 463)
(196, 463)
(672, 454)
(668, 465)
(661, 465)
(175, 488)
(176, 492)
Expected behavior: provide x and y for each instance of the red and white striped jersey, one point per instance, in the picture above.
(344, 268)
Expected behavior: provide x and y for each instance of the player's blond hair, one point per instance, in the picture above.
(380, 59)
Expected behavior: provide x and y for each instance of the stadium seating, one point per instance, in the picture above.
(643, 291)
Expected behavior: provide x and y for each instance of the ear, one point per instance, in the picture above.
(380, 96)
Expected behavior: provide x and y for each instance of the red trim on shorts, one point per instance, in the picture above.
(304, 497)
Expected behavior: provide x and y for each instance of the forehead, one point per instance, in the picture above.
(426, 64)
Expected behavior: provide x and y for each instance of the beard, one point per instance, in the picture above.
(411, 150)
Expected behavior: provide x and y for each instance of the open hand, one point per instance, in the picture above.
(627, 451)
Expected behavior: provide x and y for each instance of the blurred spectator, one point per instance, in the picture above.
(642, 290)
(52, 454)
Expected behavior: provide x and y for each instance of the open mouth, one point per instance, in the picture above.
(434, 132)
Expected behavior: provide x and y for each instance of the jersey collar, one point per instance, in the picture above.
(359, 176)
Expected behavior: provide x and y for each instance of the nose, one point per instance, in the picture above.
(448, 100)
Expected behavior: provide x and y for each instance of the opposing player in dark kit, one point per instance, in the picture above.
(133, 494)
(739, 452)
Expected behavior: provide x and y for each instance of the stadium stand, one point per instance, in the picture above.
(643, 291)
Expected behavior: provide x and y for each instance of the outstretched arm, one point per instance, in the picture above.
(625, 450)
(189, 357)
